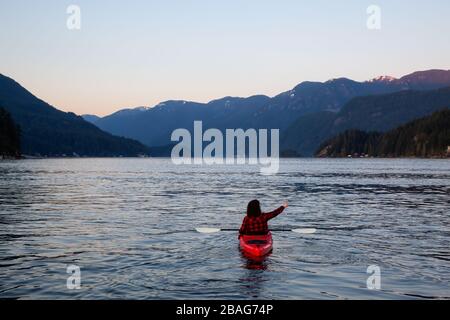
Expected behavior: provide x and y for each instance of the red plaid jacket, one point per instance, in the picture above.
(258, 225)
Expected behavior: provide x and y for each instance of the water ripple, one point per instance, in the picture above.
(129, 225)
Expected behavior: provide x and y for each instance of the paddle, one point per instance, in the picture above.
(214, 230)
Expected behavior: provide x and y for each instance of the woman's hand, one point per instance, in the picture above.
(285, 204)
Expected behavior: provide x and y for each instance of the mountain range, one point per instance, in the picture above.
(369, 113)
(305, 115)
(47, 131)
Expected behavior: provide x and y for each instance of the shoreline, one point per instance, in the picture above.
(149, 157)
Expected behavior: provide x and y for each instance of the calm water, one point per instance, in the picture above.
(127, 223)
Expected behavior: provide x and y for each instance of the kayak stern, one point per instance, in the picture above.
(256, 245)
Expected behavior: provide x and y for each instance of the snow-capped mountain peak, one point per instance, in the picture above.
(141, 108)
(383, 79)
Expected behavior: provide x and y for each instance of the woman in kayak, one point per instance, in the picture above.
(255, 223)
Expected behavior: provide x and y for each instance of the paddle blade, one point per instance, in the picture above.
(305, 231)
(207, 230)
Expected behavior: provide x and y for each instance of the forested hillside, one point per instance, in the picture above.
(48, 131)
(425, 137)
(9, 136)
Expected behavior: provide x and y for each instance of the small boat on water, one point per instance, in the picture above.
(256, 245)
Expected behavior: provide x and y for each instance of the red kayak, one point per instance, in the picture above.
(256, 246)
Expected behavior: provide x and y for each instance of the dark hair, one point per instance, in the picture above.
(253, 209)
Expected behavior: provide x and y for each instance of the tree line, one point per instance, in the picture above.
(9, 136)
(424, 137)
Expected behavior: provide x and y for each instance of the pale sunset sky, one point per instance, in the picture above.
(139, 53)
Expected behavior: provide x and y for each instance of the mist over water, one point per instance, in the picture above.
(128, 224)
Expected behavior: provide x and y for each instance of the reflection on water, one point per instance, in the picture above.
(128, 224)
(256, 263)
